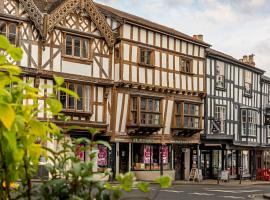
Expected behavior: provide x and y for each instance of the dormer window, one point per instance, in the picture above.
(220, 77)
(146, 57)
(77, 47)
(248, 83)
(9, 30)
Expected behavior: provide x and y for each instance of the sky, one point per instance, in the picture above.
(235, 27)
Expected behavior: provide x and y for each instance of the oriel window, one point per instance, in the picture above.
(77, 47)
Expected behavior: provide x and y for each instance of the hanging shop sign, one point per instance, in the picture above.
(102, 155)
(148, 154)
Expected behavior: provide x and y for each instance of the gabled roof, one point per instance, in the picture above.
(147, 23)
(220, 55)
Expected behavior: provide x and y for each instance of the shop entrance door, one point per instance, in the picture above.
(179, 163)
(206, 164)
(123, 157)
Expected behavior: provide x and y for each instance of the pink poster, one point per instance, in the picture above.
(148, 155)
(102, 155)
(80, 152)
(165, 154)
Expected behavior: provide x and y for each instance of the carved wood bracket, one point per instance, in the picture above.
(35, 15)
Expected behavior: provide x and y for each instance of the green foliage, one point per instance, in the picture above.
(23, 139)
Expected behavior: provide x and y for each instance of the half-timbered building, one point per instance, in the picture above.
(265, 84)
(232, 137)
(141, 84)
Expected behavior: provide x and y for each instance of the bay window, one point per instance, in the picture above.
(145, 111)
(249, 120)
(187, 115)
(220, 115)
(82, 104)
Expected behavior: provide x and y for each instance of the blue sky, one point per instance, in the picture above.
(236, 27)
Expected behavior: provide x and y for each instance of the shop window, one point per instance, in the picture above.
(248, 83)
(249, 120)
(187, 115)
(82, 104)
(148, 113)
(186, 65)
(220, 115)
(9, 30)
(231, 162)
(220, 77)
(147, 157)
(245, 162)
(146, 57)
(77, 47)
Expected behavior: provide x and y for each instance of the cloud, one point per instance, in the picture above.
(236, 27)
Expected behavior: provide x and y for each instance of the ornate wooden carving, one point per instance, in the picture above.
(65, 9)
(35, 14)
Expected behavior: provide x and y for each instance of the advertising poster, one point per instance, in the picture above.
(165, 154)
(102, 155)
(148, 155)
(80, 153)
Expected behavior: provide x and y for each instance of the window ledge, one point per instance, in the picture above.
(187, 73)
(221, 89)
(77, 113)
(146, 65)
(248, 95)
(77, 59)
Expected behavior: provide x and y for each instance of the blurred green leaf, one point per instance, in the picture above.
(143, 186)
(16, 53)
(55, 105)
(164, 181)
(4, 43)
(59, 80)
(7, 115)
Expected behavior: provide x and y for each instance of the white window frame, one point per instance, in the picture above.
(249, 123)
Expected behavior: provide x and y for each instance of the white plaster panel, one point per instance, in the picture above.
(201, 70)
(134, 53)
(171, 43)
(117, 71)
(24, 61)
(177, 47)
(142, 75)
(157, 58)
(126, 52)
(176, 63)
(96, 70)
(184, 82)
(164, 41)
(164, 60)
(126, 72)
(79, 69)
(184, 47)
(157, 77)
(134, 73)
(135, 33)
(143, 35)
(189, 83)
(105, 66)
(158, 39)
(100, 94)
(57, 61)
(149, 76)
(126, 31)
(171, 80)
(118, 113)
(168, 117)
(45, 55)
(34, 53)
(124, 120)
(170, 61)
(177, 81)
(190, 49)
(202, 52)
(150, 38)
(195, 83)
(164, 79)
(195, 66)
(196, 50)
(201, 84)
(100, 113)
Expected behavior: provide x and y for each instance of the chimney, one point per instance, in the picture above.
(248, 60)
(198, 37)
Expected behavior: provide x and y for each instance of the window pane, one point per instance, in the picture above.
(134, 117)
(178, 121)
(85, 49)
(186, 119)
(157, 119)
(156, 106)
(63, 98)
(69, 45)
(142, 58)
(80, 100)
(143, 118)
(134, 103)
(12, 33)
(150, 104)
(71, 100)
(77, 47)
(186, 109)
(178, 108)
(143, 104)
(3, 28)
(148, 57)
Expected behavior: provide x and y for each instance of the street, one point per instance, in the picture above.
(205, 192)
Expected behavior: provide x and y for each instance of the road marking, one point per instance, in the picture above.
(234, 191)
(173, 191)
(232, 197)
(202, 194)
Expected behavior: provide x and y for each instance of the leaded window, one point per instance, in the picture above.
(146, 56)
(249, 120)
(9, 30)
(77, 47)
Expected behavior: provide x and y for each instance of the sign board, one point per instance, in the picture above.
(80, 152)
(224, 175)
(165, 154)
